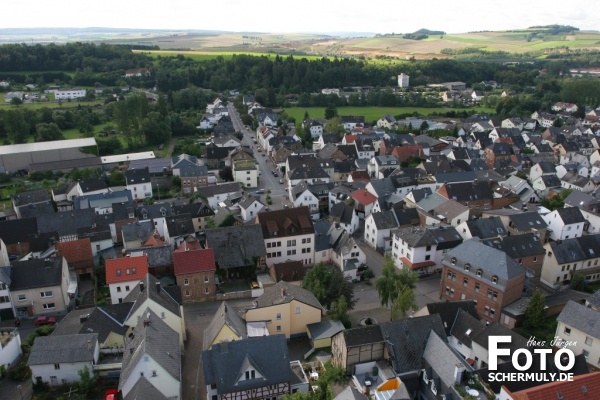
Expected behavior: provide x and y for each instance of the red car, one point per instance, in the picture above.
(111, 394)
(43, 320)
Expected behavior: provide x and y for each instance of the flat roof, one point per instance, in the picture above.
(128, 157)
(42, 146)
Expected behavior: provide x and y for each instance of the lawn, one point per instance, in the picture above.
(374, 113)
(211, 55)
(51, 104)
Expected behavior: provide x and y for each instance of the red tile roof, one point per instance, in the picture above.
(188, 245)
(582, 387)
(126, 269)
(360, 176)
(350, 138)
(363, 196)
(75, 251)
(417, 265)
(189, 262)
(154, 241)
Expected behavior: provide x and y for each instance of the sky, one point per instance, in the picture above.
(298, 16)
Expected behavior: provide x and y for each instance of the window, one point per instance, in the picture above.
(586, 354)
(278, 316)
(250, 374)
(428, 248)
(427, 257)
(278, 329)
(534, 259)
(133, 271)
(206, 280)
(207, 290)
(186, 281)
(492, 312)
(127, 287)
(479, 273)
(56, 366)
(297, 310)
(486, 310)
(495, 296)
(451, 292)
(118, 289)
(118, 272)
(467, 267)
(567, 330)
(453, 260)
(127, 271)
(465, 282)
(449, 275)
(187, 292)
(49, 306)
(291, 243)
(494, 279)
(291, 252)
(162, 315)
(448, 290)
(477, 288)
(45, 294)
(489, 293)
(588, 341)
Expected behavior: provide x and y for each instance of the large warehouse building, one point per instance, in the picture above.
(16, 157)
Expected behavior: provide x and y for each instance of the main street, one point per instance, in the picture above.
(266, 180)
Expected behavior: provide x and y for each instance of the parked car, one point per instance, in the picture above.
(43, 320)
(111, 394)
(281, 181)
(275, 173)
(260, 191)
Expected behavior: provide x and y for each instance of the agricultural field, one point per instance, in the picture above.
(49, 104)
(374, 113)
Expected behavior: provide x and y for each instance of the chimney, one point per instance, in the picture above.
(157, 287)
(283, 294)
(142, 286)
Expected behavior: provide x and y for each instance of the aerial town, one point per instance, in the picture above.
(333, 255)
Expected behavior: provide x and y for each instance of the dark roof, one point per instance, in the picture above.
(469, 191)
(59, 349)
(518, 246)
(527, 221)
(582, 318)
(137, 231)
(66, 222)
(225, 363)
(13, 231)
(158, 256)
(225, 316)
(448, 311)
(286, 222)
(236, 246)
(283, 292)
(193, 209)
(91, 185)
(384, 219)
(152, 337)
(289, 271)
(363, 335)
(210, 191)
(491, 261)
(571, 215)
(465, 327)
(157, 210)
(36, 273)
(485, 228)
(103, 324)
(143, 390)
(406, 216)
(180, 225)
(37, 210)
(406, 340)
(94, 233)
(30, 197)
(576, 249)
(135, 176)
(341, 212)
(150, 291)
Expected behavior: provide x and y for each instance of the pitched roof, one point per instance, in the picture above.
(576, 249)
(225, 362)
(158, 256)
(448, 310)
(363, 196)
(193, 261)
(139, 231)
(582, 387)
(286, 222)
(13, 231)
(150, 291)
(225, 316)
(341, 212)
(485, 228)
(126, 269)
(236, 246)
(63, 349)
(152, 337)
(67, 222)
(363, 335)
(210, 191)
(518, 246)
(92, 185)
(137, 176)
(75, 251)
(442, 359)
(571, 215)
(30, 197)
(283, 292)
(582, 318)
(289, 271)
(324, 329)
(407, 338)
(36, 273)
(143, 390)
(527, 221)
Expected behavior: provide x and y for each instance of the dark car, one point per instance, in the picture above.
(275, 173)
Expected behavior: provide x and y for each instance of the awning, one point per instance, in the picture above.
(411, 265)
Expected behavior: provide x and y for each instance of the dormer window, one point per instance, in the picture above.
(479, 273)
(494, 279)
(453, 260)
(425, 377)
(118, 272)
(467, 267)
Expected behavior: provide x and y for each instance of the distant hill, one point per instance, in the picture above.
(424, 31)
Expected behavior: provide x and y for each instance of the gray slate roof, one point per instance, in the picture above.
(485, 228)
(63, 349)
(571, 215)
(66, 222)
(341, 212)
(442, 359)
(30, 197)
(527, 221)
(156, 340)
(407, 338)
(144, 390)
(137, 231)
(210, 191)
(491, 261)
(224, 363)
(236, 246)
(576, 249)
(225, 315)
(324, 329)
(150, 292)
(36, 273)
(582, 318)
(518, 246)
(448, 311)
(284, 292)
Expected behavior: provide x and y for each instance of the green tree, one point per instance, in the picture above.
(16, 101)
(16, 127)
(334, 125)
(535, 313)
(339, 312)
(331, 111)
(404, 302)
(557, 201)
(386, 283)
(577, 281)
(397, 288)
(424, 127)
(47, 132)
(116, 178)
(328, 284)
(87, 382)
(156, 128)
